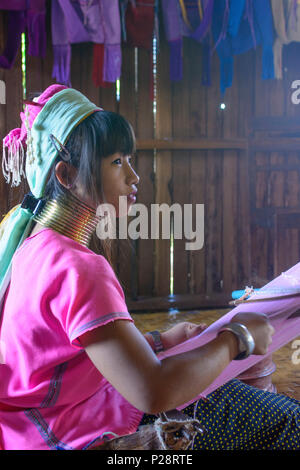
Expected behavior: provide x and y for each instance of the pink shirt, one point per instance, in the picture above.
(51, 395)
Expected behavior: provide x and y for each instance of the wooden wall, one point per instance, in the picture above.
(242, 163)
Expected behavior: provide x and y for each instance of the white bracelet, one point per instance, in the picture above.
(245, 339)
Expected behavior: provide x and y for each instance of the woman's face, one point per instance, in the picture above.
(119, 179)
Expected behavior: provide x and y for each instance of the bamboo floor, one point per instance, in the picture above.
(286, 378)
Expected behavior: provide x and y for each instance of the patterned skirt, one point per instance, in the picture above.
(237, 416)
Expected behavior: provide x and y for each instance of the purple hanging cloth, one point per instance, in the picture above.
(173, 33)
(22, 14)
(36, 27)
(16, 5)
(16, 24)
(175, 29)
(76, 21)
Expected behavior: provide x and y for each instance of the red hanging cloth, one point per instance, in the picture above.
(139, 20)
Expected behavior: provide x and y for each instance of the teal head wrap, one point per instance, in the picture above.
(57, 118)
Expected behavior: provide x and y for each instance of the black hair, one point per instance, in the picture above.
(98, 136)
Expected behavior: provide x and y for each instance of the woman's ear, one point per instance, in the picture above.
(66, 174)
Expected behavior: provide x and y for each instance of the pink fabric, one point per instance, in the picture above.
(51, 395)
(283, 314)
(20, 134)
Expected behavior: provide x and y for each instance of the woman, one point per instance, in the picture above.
(76, 369)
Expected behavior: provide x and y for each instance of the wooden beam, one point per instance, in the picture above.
(267, 145)
(275, 144)
(276, 123)
(180, 302)
(204, 144)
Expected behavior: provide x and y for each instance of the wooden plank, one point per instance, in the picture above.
(180, 173)
(287, 227)
(180, 197)
(277, 178)
(260, 272)
(292, 180)
(108, 99)
(229, 200)
(128, 97)
(198, 130)
(192, 144)
(88, 87)
(280, 144)
(145, 248)
(245, 98)
(259, 188)
(145, 162)
(76, 66)
(214, 187)
(186, 302)
(163, 167)
(197, 196)
(258, 144)
(276, 123)
(34, 76)
(197, 94)
(127, 269)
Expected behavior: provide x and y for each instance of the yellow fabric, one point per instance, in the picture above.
(184, 13)
(5, 217)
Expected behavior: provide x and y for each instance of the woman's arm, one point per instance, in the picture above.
(177, 334)
(126, 360)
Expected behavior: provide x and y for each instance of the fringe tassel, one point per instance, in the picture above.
(13, 162)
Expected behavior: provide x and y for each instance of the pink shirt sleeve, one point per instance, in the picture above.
(89, 296)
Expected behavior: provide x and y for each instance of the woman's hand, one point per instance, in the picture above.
(180, 332)
(260, 327)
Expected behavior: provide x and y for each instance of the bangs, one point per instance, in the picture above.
(116, 136)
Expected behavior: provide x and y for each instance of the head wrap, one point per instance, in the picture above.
(51, 117)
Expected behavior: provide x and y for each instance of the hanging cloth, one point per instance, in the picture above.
(185, 15)
(286, 16)
(22, 14)
(238, 26)
(36, 28)
(96, 21)
(98, 66)
(140, 23)
(191, 19)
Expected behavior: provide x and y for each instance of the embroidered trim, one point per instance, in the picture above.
(54, 386)
(99, 320)
(100, 438)
(45, 431)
